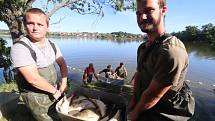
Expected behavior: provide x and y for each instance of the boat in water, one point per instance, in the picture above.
(204, 96)
(86, 104)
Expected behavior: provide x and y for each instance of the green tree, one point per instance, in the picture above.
(208, 32)
(5, 60)
(192, 33)
(11, 11)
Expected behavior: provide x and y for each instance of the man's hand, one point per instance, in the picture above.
(133, 115)
(62, 88)
(57, 94)
(63, 85)
(132, 103)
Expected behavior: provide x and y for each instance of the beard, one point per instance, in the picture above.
(149, 25)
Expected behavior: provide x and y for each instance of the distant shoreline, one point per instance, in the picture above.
(94, 35)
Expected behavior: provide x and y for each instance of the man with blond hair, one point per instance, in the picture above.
(34, 56)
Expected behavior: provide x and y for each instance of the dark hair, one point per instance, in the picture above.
(162, 3)
(35, 11)
(108, 66)
(90, 64)
(121, 63)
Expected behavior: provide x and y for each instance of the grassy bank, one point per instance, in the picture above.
(21, 113)
(8, 87)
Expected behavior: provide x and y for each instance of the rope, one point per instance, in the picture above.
(201, 83)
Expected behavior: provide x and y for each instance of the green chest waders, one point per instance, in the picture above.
(40, 103)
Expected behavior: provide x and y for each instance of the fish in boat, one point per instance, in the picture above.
(83, 108)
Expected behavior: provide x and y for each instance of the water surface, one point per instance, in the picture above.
(79, 53)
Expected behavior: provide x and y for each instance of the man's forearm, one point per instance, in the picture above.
(63, 71)
(64, 74)
(63, 85)
(151, 96)
(146, 102)
(33, 77)
(63, 67)
(42, 84)
(132, 103)
(96, 76)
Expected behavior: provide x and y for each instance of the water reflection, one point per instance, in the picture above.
(116, 40)
(201, 50)
(80, 52)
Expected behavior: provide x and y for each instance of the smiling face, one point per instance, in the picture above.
(36, 26)
(150, 16)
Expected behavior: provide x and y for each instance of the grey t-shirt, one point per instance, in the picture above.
(21, 56)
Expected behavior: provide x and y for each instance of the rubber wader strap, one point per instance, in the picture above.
(33, 53)
(53, 46)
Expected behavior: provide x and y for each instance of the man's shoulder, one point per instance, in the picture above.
(23, 41)
(142, 45)
(53, 45)
(173, 41)
(124, 68)
(105, 70)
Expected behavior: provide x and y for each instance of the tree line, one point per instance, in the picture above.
(12, 11)
(192, 33)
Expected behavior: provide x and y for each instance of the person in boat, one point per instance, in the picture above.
(34, 58)
(160, 91)
(89, 72)
(121, 71)
(109, 73)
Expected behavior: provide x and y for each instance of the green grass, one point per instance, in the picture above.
(21, 113)
(9, 87)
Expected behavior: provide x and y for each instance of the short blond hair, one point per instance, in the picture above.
(35, 11)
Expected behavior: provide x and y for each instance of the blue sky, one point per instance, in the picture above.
(180, 14)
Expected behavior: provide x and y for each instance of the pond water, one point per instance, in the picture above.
(79, 53)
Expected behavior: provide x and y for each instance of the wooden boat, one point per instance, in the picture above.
(114, 80)
(115, 106)
(204, 96)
